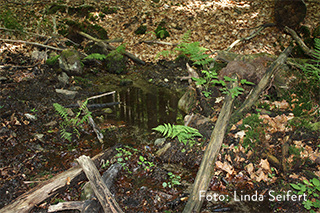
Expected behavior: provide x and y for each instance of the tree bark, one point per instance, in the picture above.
(46, 189)
(204, 174)
(100, 189)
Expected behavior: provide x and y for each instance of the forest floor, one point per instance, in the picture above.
(269, 149)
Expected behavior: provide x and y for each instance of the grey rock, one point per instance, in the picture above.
(70, 62)
(63, 79)
(159, 141)
(66, 93)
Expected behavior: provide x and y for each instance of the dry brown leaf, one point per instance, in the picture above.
(262, 176)
(264, 164)
(225, 167)
(249, 168)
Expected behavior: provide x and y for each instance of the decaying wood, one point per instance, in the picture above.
(90, 205)
(79, 205)
(46, 189)
(107, 46)
(100, 189)
(204, 174)
(254, 95)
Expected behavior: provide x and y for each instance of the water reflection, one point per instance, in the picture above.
(145, 109)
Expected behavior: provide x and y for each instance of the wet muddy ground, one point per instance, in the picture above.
(32, 149)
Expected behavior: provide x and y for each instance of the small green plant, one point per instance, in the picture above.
(145, 163)
(236, 91)
(312, 70)
(312, 190)
(71, 122)
(95, 56)
(253, 126)
(161, 32)
(34, 110)
(273, 172)
(53, 60)
(183, 133)
(195, 52)
(174, 180)
(124, 155)
(210, 79)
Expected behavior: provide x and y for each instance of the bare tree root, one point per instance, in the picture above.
(303, 46)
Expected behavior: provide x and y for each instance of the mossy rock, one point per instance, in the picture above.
(70, 62)
(81, 11)
(115, 62)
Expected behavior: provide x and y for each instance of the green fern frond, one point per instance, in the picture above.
(186, 36)
(96, 56)
(62, 111)
(183, 133)
(64, 134)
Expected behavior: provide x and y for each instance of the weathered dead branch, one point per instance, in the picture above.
(31, 43)
(46, 189)
(108, 203)
(105, 45)
(204, 174)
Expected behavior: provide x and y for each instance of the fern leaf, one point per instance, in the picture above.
(66, 135)
(62, 111)
(96, 56)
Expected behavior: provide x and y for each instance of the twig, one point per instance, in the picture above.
(99, 96)
(262, 27)
(18, 67)
(159, 42)
(38, 35)
(31, 43)
(93, 124)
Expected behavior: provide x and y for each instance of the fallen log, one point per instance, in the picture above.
(107, 46)
(204, 174)
(108, 203)
(46, 189)
(91, 204)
